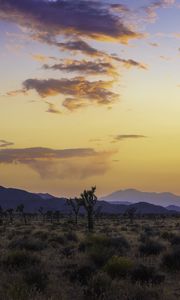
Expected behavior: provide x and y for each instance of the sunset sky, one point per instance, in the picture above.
(90, 95)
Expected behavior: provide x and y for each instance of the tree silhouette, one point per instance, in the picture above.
(20, 210)
(1, 215)
(75, 204)
(130, 213)
(10, 214)
(88, 200)
(41, 211)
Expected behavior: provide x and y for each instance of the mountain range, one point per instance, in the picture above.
(11, 198)
(130, 196)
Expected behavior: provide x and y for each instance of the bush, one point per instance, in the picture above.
(99, 254)
(27, 244)
(71, 236)
(41, 234)
(99, 286)
(167, 235)
(58, 239)
(101, 247)
(151, 247)
(118, 267)
(145, 274)
(171, 260)
(82, 273)
(139, 292)
(175, 240)
(35, 277)
(19, 259)
(120, 244)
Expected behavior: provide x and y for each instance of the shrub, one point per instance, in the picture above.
(42, 235)
(71, 236)
(166, 235)
(101, 247)
(171, 260)
(59, 239)
(118, 267)
(19, 259)
(151, 247)
(99, 286)
(82, 273)
(175, 240)
(146, 274)
(139, 292)
(99, 254)
(27, 244)
(35, 277)
(120, 243)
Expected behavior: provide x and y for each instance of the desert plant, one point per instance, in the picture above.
(20, 210)
(118, 266)
(151, 247)
(146, 274)
(35, 277)
(171, 260)
(19, 259)
(75, 205)
(88, 200)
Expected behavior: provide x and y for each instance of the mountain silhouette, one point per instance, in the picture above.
(135, 196)
(11, 198)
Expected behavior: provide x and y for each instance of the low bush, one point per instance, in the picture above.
(99, 287)
(27, 244)
(146, 274)
(71, 236)
(118, 267)
(35, 277)
(171, 260)
(175, 240)
(19, 259)
(151, 247)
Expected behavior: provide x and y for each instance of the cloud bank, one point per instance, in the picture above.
(62, 163)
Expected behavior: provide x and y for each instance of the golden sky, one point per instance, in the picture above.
(89, 95)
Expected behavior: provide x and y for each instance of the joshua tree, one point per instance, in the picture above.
(130, 213)
(88, 200)
(41, 211)
(75, 204)
(1, 215)
(57, 215)
(49, 215)
(20, 210)
(10, 214)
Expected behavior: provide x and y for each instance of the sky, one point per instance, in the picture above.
(90, 95)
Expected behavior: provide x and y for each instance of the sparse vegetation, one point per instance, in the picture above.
(47, 256)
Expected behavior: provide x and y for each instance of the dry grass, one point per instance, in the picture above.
(119, 261)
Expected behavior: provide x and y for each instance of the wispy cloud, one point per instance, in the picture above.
(128, 63)
(4, 143)
(62, 163)
(52, 109)
(122, 137)
(151, 9)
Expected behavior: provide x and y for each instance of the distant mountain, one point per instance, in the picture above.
(120, 202)
(173, 207)
(134, 196)
(147, 208)
(10, 198)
